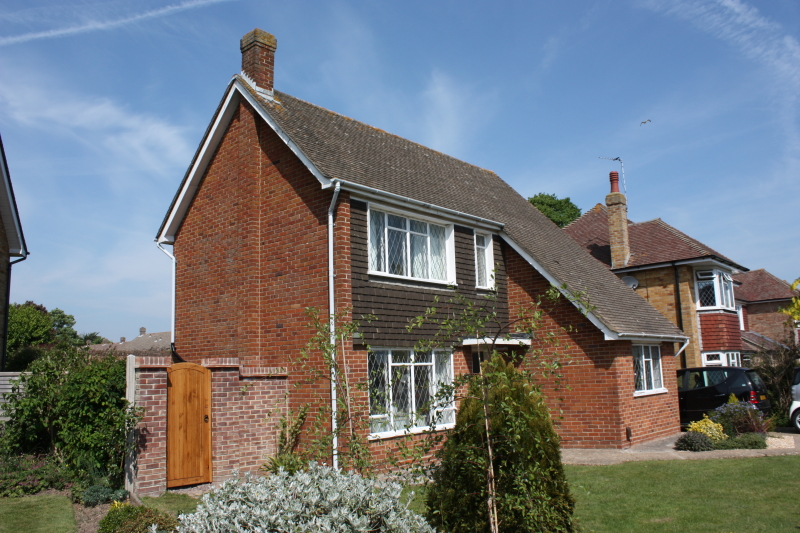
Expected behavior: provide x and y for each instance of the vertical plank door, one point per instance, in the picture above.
(188, 425)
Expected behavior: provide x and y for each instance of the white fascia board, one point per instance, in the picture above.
(10, 216)
(487, 341)
(649, 337)
(609, 335)
(368, 194)
(210, 144)
(700, 261)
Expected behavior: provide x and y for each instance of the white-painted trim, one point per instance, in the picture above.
(411, 431)
(712, 263)
(368, 194)
(10, 215)
(488, 259)
(662, 390)
(488, 341)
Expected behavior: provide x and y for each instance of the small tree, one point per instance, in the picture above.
(776, 368)
(793, 309)
(531, 490)
(560, 210)
(28, 325)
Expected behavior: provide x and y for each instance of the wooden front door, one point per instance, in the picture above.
(188, 425)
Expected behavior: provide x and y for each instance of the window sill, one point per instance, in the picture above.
(404, 432)
(717, 308)
(407, 278)
(653, 392)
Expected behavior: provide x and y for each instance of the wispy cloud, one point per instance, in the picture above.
(101, 25)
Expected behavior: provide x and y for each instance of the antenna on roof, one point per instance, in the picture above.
(622, 166)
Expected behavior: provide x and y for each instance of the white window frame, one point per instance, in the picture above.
(443, 411)
(722, 359)
(723, 288)
(645, 354)
(488, 260)
(450, 270)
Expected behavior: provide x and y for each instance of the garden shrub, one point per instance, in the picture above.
(709, 428)
(29, 474)
(126, 518)
(72, 405)
(692, 441)
(532, 491)
(318, 499)
(745, 441)
(97, 494)
(740, 417)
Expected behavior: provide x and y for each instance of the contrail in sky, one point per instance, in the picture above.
(99, 25)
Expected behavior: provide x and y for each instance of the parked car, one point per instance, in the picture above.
(794, 409)
(703, 389)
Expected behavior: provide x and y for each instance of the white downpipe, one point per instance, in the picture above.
(685, 344)
(332, 322)
(172, 326)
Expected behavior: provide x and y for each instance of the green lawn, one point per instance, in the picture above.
(37, 514)
(171, 503)
(712, 495)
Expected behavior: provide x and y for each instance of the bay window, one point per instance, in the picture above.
(714, 289)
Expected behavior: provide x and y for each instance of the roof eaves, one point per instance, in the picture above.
(9, 212)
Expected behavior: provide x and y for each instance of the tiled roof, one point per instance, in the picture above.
(357, 153)
(149, 341)
(756, 342)
(651, 242)
(760, 285)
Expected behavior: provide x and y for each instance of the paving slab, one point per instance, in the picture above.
(664, 450)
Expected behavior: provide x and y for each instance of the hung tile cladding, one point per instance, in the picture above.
(288, 206)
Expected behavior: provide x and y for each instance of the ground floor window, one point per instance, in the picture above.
(722, 359)
(647, 368)
(403, 385)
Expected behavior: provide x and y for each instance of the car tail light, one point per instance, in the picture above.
(753, 397)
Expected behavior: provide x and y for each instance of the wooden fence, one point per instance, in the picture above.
(5, 386)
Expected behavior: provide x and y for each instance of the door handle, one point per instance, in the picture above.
(205, 419)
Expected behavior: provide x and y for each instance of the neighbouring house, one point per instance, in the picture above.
(288, 206)
(12, 247)
(154, 344)
(687, 281)
(759, 298)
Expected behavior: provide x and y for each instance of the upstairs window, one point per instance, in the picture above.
(714, 289)
(484, 262)
(405, 247)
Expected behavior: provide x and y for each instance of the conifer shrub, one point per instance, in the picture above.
(692, 441)
(319, 498)
(125, 518)
(532, 491)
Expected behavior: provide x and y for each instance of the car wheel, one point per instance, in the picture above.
(796, 419)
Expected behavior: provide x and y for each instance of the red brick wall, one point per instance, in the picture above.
(246, 404)
(600, 404)
(252, 251)
(720, 331)
(765, 319)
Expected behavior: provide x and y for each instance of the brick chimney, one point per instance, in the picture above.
(258, 59)
(618, 224)
(142, 331)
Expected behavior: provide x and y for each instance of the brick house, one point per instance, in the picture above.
(687, 281)
(12, 246)
(287, 206)
(759, 298)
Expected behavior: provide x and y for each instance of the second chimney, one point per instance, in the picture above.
(618, 224)
(258, 58)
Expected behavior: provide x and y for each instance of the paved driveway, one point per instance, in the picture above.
(782, 442)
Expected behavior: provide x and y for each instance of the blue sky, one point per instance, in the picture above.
(102, 105)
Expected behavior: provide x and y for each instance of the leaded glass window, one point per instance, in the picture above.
(406, 247)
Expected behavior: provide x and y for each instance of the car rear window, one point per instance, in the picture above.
(796, 376)
(706, 378)
(756, 379)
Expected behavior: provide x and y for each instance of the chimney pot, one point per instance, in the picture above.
(613, 176)
(258, 59)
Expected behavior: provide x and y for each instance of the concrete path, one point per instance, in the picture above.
(664, 449)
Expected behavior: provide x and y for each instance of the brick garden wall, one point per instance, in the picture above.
(246, 404)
